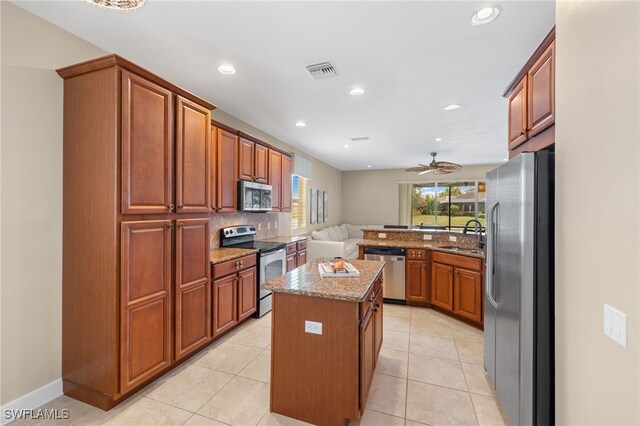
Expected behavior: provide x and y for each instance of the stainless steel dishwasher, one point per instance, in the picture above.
(393, 273)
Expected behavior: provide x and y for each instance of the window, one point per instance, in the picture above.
(299, 196)
(447, 205)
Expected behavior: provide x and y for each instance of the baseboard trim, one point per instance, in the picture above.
(33, 399)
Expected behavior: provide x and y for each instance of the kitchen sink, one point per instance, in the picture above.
(468, 250)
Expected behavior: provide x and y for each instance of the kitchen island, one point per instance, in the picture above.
(326, 337)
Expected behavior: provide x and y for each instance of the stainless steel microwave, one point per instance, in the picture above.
(254, 197)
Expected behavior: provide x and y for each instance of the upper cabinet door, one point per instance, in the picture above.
(245, 159)
(193, 286)
(275, 178)
(193, 142)
(260, 163)
(147, 146)
(285, 204)
(213, 184)
(541, 92)
(227, 171)
(145, 306)
(518, 114)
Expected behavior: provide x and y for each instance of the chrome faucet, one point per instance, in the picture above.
(478, 228)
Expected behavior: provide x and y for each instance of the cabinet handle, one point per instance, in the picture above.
(180, 225)
(241, 263)
(171, 206)
(180, 206)
(170, 226)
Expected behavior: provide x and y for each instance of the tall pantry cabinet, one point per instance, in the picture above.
(136, 204)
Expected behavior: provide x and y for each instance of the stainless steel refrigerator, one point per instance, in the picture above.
(519, 283)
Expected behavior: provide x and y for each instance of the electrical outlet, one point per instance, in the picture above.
(259, 226)
(268, 225)
(453, 239)
(382, 235)
(615, 325)
(276, 224)
(313, 327)
(428, 237)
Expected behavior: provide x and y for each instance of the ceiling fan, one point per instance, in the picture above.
(437, 167)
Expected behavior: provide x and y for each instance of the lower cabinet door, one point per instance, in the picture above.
(467, 289)
(442, 286)
(292, 262)
(247, 293)
(145, 300)
(302, 257)
(225, 314)
(416, 281)
(367, 357)
(193, 286)
(378, 329)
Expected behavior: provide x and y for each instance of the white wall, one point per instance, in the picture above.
(32, 196)
(372, 196)
(324, 177)
(597, 205)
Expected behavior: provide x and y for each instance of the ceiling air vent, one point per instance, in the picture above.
(360, 139)
(322, 70)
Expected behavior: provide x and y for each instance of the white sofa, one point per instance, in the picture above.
(335, 241)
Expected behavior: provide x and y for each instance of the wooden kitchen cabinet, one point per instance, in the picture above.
(225, 314)
(226, 171)
(302, 258)
(378, 321)
(541, 92)
(467, 294)
(416, 282)
(146, 313)
(234, 292)
(442, 286)
(132, 286)
(531, 101)
(296, 254)
(367, 356)
(261, 161)
(518, 115)
(292, 262)
(246, 159)
(147, 146)
(193, 286)
(275, 179)
(285, 204)
(247, 297)
(193, 157)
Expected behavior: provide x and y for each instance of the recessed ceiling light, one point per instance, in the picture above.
(300, 124)
(226, 69)
(438, 139)
(485, 15)
(452, 107)
(369, 166)
(346, 146)
(119, 4)
(357, 91)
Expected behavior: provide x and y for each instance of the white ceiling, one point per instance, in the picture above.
(413, 58)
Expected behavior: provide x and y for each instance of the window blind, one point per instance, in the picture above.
(299, 197)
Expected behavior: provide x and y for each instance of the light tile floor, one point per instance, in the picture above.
(429, 373)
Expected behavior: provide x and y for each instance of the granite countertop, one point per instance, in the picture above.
(222, 254)
(306, 281)
(286, 240)
(420, 245)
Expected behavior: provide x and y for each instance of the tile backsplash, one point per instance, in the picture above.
(266, 224)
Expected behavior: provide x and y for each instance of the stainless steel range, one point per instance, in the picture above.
(272, 261)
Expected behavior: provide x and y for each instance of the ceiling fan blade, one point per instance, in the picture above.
(416, 169)
(425, 171)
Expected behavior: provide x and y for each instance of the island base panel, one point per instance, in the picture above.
(314, 378)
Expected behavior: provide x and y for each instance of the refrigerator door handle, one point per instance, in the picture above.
(491, 245)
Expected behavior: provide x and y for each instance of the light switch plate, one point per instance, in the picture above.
(453, 239)
(615, 325)
(382, 235)
(313, 327)
(427, 237)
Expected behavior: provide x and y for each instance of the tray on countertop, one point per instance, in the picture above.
(327, 271)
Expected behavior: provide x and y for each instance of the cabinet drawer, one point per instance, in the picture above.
(419, 254)
(291, 248)
(302, 245)
(234, 265)
(466, 262)
(371, 297)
